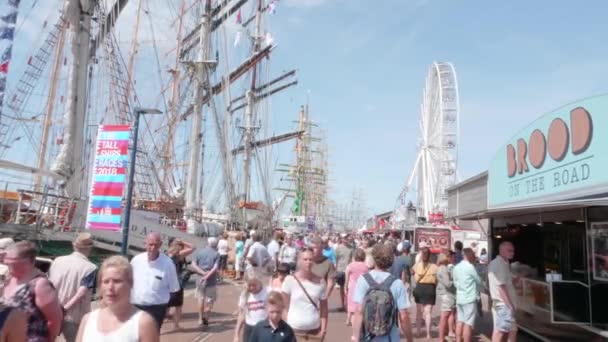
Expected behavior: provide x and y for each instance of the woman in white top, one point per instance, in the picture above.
(306, 299)
(223, 249)
(252, 306)
(117, 320)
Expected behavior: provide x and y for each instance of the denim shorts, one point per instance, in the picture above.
(448, 302)
(504, 318)
(466, 313)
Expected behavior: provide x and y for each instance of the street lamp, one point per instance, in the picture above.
(127, 219)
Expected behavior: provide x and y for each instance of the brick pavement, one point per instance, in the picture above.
(222, 322)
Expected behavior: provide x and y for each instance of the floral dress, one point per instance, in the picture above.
(25, 300)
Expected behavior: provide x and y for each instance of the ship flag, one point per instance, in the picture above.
(239, 17)
(8, 19)
(272, 7)
(237, 38)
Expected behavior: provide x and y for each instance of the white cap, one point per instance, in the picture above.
(212, 242)
(5, 243)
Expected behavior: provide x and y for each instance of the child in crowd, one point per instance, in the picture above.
(276, 282)
(273, 329)
(252, 307)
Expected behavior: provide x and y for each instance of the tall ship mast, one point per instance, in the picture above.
(308, 179)
(89, 77)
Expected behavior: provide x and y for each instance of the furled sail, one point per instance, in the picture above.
(68, 162)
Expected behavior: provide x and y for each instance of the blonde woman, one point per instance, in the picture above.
(425, 273)
(117, 320)
(252, 307)
(305, 296)
(178, 251)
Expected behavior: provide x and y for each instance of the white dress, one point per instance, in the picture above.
(128, 332)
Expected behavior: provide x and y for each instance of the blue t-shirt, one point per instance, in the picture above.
(206, 259)
(399, 295)
(330, 254)
(401, 264)
(457, 257)
(240, 248)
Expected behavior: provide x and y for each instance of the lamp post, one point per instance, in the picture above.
(127, 218)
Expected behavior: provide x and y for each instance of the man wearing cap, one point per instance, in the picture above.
(206, 264)
(402, 264)
(5, 243)
(74, 279)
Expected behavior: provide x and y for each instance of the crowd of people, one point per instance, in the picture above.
(378, 281)
(286, 287)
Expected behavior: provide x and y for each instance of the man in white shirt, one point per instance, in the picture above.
(288, 253)
(273, 249)
(258, 257)
(74, 279)
(502, 292)
(155, 278)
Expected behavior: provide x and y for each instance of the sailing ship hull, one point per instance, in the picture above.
(145, 222)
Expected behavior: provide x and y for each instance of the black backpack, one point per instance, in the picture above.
(379, 308)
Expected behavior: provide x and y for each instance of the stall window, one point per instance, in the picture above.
(570, 302)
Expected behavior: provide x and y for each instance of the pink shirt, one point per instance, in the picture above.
(355, 269)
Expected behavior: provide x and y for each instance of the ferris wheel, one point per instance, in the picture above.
(437, 160)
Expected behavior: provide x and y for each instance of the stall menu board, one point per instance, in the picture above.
(109, 175)
(599, 248)
(436, 239)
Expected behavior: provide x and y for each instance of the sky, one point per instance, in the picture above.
(362, 67)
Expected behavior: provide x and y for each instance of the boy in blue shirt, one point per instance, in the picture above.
(273, 329)
(383, 256)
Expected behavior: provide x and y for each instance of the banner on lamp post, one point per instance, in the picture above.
(109, 177)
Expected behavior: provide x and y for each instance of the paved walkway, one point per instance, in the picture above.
(222, 323)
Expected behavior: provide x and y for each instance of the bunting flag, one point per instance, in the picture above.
(268, 39)
(7, 33)
(239, 17)
(8, 19)
(272, 7)
(237, 38)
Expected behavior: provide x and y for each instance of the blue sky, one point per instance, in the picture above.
(365, 63)
(363, 66)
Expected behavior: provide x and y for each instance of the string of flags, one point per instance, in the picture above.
(268, 39)
(8, 20)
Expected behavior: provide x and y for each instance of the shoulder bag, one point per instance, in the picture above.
(306, 293)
